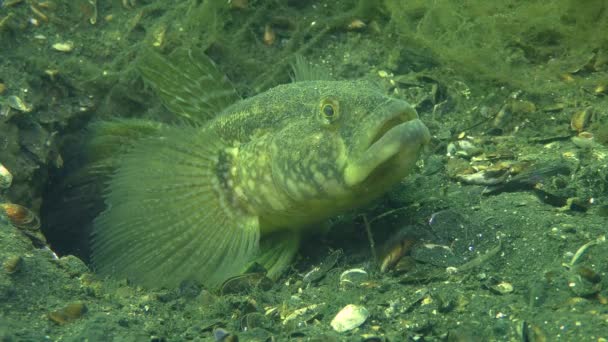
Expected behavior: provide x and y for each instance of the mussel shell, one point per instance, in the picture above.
(20, 216)
(245, 283)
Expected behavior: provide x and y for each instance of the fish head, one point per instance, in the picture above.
(344, 143)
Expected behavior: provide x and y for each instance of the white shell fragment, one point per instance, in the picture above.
(349, 318)
(353, 277)
(303, 314)
(63, 46)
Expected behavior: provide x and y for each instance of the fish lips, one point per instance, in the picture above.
(399, 138)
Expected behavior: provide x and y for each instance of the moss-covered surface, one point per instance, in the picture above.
(508, 190)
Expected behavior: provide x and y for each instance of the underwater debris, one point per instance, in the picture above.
(303, 315)
(600, 89)
(254, 320)
(395, 253)
(318, 272)
(269, 35)
(12, 264)
(38, 13)
(582, 250)
(356, 24)
(93, 16)
(349, 318)
(68, 313)
(584, 140)
(353, 277)
(478, 261)
(581, 119)
(158, 36)
(67, 46)
(526, 176)
(128, 4)
(223, 335)
(465, 148)
(244, 283)
(531, 332)
(501, 288)
(20, 216)
(238, 4)
(17, 103)
(10, 3)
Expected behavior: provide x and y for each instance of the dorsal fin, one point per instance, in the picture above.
(302, 70)
(188, 83)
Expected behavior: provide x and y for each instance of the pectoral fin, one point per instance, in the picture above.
(277, 251)
(168, 218)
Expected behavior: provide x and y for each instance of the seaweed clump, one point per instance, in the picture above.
(508, 42)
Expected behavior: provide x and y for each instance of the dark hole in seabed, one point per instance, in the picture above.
(71, 201)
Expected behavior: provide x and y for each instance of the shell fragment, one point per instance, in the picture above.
(20, 216)
(63, 46)
(349, 318)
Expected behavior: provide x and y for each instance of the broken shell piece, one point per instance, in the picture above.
(20, 216)
(584, 140)
(353, 277)
(463, 148)
(6, 178)
(356, 24)
(63, 46)
(502, 288)
(523, 107)
(239, 4)
(484, 177)
(12, 264)
(600, 89)
(69, 313)
(321, 270)
(554, 107)
(269, 35)
(304, 314)
(349, 318)
(244, 283)
(17, 103)
(580, 119)
(159, 35)
(395, 253)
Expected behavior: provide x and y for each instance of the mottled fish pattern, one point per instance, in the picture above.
(243, 179)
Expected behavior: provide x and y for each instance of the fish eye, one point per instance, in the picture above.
(330, 110)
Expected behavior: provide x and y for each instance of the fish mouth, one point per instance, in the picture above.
(391, 147)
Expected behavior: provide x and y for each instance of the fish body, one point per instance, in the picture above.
(202, 201)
